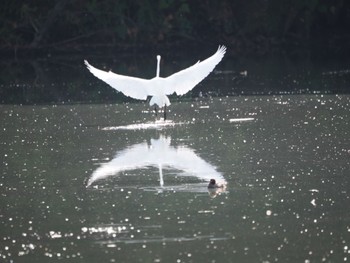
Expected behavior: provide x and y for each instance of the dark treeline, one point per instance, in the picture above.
(253, 26)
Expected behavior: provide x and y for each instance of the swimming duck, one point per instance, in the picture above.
(212, 184)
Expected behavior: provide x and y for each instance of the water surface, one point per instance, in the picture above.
(284, 160)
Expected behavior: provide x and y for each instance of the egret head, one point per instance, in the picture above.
(158, 57)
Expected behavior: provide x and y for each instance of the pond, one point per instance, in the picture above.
(111, 183)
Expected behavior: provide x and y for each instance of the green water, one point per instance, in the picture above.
(284, 160)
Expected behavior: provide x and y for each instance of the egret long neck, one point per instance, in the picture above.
(158, 66)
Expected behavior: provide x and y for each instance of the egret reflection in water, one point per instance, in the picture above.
(160, 154)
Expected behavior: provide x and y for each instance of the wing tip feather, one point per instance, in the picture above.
(87, 64)
(221, 50)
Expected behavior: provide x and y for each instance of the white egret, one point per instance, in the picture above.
(158, 88)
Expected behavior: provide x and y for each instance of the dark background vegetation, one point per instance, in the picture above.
(256, 26)
(286, 46)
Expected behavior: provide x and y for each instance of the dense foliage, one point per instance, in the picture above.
(254, 24)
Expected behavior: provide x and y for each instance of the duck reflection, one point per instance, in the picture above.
(160, 154)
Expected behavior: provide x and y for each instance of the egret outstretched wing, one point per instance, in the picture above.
(130, 86)
(185, 80)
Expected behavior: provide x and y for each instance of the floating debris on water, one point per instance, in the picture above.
(159, 124)
(241, 119)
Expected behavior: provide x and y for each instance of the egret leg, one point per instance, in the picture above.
(165, 112)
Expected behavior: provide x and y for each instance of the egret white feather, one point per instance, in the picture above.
(158, 87)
